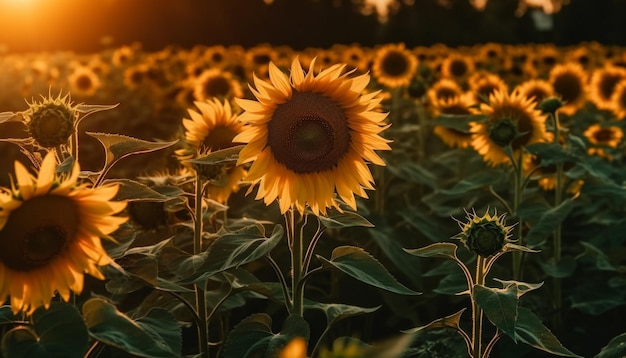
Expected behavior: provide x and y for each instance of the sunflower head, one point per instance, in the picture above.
(50, 230)
(394, 66)
(485, 235)
(50, 122)
(310, 136)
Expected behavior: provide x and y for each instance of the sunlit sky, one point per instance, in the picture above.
(80, 25)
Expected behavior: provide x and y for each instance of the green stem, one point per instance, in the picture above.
(477, 312)
(295, 246)
(203, 334)
(558, 198)
(518, 184)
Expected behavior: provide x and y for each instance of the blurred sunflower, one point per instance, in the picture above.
(443, 89)
(546, 56)
(258, 58)
(457, 67)
(489, 56)
(618, 100)
(214, 83)
(50, 230)
(393, 65)
(354, 56)
(602, 85)
(135, 76)
(535, 89)
(215, 55)
(84, 82)
(603, 138)
(513, 120)
(211, 129)
(123, 56)
(454, 105)
(310, 135)
(483, 84)
(569, 82)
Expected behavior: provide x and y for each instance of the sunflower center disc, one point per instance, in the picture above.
(38, 231)
(395, 64)
(309, 133)
(503, 132)
(43, 243)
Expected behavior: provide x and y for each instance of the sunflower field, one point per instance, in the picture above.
(350, 201)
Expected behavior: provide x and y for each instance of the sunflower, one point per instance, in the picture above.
(310, 135)
(84, 82)
(605, 136)
(569, 82)
(50, 230)
(443, 89)
(489, 56)
(357, 57)
(602, 85)
(135, 76)
(51, 121)
(483, 84)
(513, 120)
(211, 129)
(458, 105)
(618, 100)
(535, 89)
(457, 67)
(216, 83)
(546, 57)
(394, 66)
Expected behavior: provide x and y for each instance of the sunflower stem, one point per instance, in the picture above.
(477, 312)
(558, 198)
(203, 335)
(518, 183)
(295, 246)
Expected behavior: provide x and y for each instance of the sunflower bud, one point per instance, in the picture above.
(503, 132)
(485, 235)
(417, 88)
(550, 105)
(147, 214)
(51, 122)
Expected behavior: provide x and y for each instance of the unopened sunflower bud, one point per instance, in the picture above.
(485, 235)
(417, 88)
(51, 122)
(550, 105)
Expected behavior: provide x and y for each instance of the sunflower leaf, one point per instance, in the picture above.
(359, 264)
(219, 157)
(500, 305)
(56, 332)
(445, 250)
(134, 190)
(119, 146)
(157, 334)
(253, 336)
(530, 330)
(615, 348)
(336, 219)
(451, 321)
(10, 117)
(459, 122)
(548, 221)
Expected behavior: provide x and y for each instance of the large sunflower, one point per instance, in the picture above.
(513, 119)
(50, 230)
(311, 135)
(211, 129)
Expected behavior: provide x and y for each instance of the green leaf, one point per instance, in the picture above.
(157, 334)
(56, 332)
(234, 249)
(616, 348)
(6, 315)
(359, 264)
(253, 336)
(446, 250)
(349, 218)
(219, 157)
(425, 224)
(521, 287)
(531, 331)
(548, 221)
(459, 122)
(473, 182)
(452, 321)
(413, 172)
(500, 306)
(601, 259)
(119, 146)
(564, 268)
(408, 264)
(134, 190)
(551, 153)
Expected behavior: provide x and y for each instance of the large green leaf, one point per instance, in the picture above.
(56, 332)
(500, 306)
(551, 153)
(234, 249)
(134, 190)
(359, 264)
(453, 321)
(157, 334)
(530, 330)
(253, 337)
(219, 157)
(347, 218)
(548, 221)
(119, 146)
(616, 348)
(446, 250)
(408, 264)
